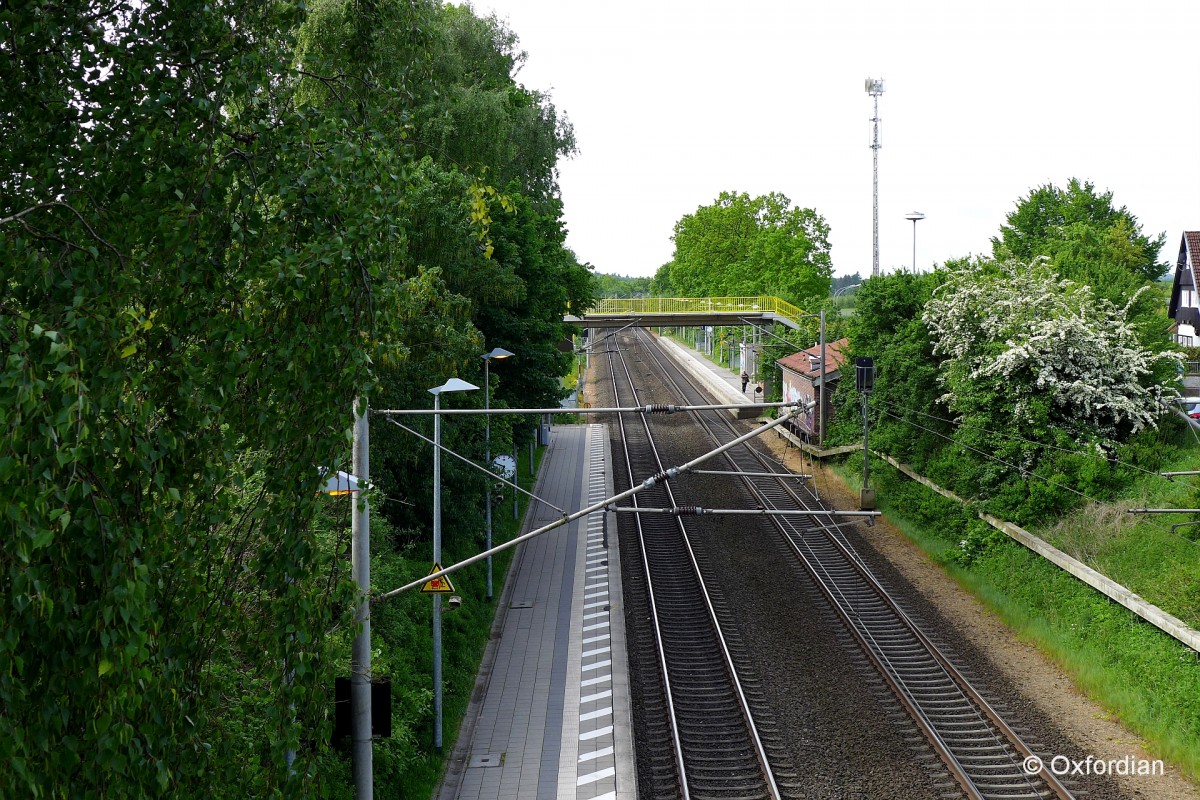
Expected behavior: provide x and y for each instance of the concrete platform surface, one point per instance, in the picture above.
(550, 716)
(723, 383)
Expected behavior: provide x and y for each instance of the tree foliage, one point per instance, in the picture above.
(1028, 349)
(888, 328)
(1085, 238)
(1006, 384)
(215, 232)
(472, 113)
(622, 286)
(741, 246)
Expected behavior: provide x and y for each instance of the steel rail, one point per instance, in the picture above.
(952, 672)
(700, 511)
(669, 701)
(654, 480)
(873, 650)
(727, 658)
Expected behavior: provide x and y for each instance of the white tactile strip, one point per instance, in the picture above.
(601, 714)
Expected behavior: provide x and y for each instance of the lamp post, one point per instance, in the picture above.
(497, 353)
(914, 216)
(452, 385)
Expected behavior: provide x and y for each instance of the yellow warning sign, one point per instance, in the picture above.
(440, 585)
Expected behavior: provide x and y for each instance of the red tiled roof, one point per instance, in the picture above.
(1192, 240)
(1187, 271)
(800, 363)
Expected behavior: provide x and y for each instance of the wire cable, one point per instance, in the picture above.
(1111, 460)
(1025, 472)
(1020, 470)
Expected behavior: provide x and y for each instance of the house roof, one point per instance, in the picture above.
(802, 362)
(1186, 274)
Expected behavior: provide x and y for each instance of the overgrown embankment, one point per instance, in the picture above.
(406, 765)
(1141, 675)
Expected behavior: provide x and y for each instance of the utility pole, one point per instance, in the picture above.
(875, 88)
(864, 381)
(824, 373)
(360, 658)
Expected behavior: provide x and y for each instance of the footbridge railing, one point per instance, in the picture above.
(644, 306)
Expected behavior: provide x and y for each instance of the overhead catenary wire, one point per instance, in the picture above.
(483, 469)
(654, 480)
(1015, 437)
(1165, 476)
(1169, 528)
(651, 408)
(1019, 469)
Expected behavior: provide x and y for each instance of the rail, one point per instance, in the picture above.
(692, 648)
(982, 753)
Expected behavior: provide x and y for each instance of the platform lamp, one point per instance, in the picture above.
(915, 216)
(452, 385)
(498, 353)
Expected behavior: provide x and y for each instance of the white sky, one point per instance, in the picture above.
(674, 101)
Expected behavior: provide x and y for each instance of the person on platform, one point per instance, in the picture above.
(745, 380)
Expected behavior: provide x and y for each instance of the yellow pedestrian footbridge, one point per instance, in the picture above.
(654, 312)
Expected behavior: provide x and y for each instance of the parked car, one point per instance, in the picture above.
(1191, 406)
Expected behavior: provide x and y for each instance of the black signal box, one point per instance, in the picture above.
(381, 709)
(864, 374)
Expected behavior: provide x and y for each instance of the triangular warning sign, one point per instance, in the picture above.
(440, 585)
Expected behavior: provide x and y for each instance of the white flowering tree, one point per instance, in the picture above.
(1028, 349)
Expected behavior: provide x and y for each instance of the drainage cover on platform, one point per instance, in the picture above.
(487, 760)
(521, 604)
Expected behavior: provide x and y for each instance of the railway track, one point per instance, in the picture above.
(710, 739)
(983, 755)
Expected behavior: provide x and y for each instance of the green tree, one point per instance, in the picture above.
(1086, 238)
(622, 286)
(887, 327)
(474, 115)
(748, 246)
(195, 288)
(213, 236)
(846, 282)
(1028, 349)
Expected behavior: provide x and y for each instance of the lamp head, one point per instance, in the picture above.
(453, 385)
(914, 215)
(499, 352)
(338, 483)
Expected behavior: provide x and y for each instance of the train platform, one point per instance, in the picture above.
(723, 383)
(551, 715)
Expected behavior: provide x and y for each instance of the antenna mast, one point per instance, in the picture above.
(875, 88)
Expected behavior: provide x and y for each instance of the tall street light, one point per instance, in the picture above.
(452, 385)
(498, 353)
(914, 216)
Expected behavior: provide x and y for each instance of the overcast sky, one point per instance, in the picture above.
(674, 102)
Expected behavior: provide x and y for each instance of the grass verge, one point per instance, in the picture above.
(1146, 679)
